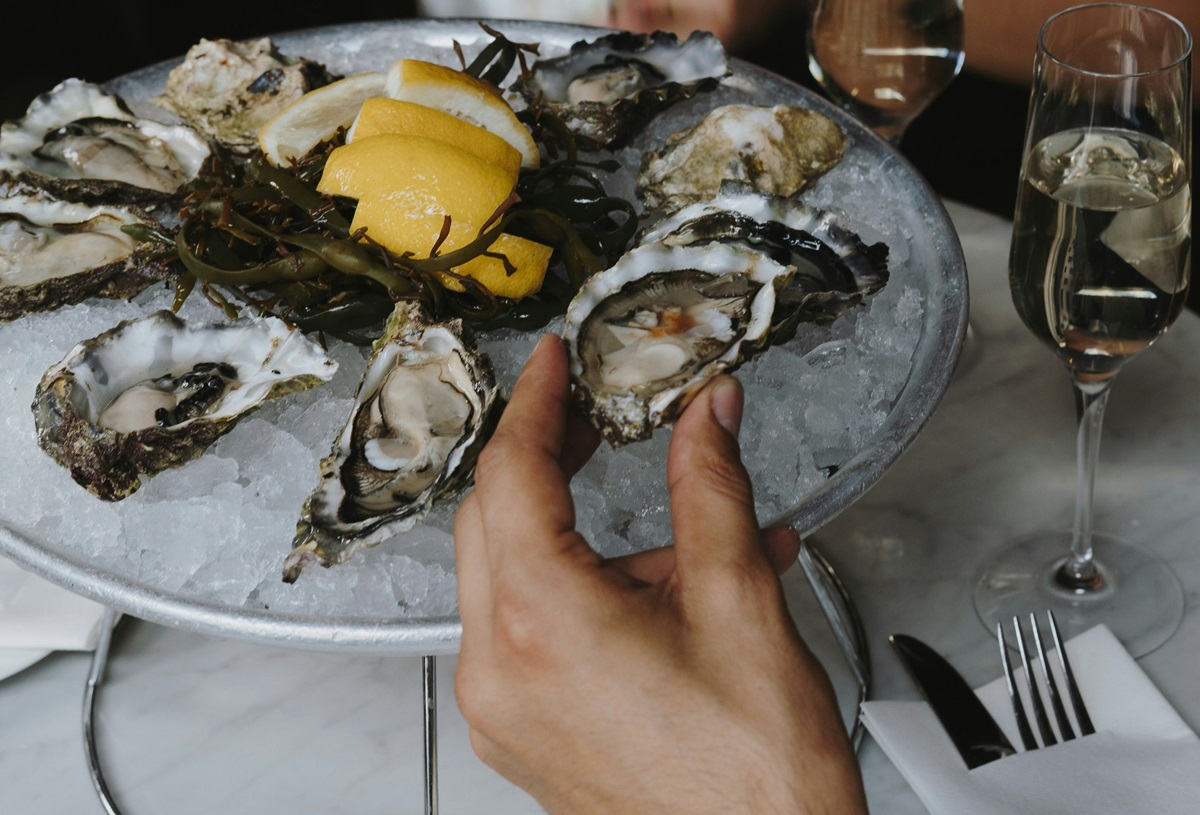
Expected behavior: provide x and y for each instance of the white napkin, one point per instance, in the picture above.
(1143, 758)
(38, 615)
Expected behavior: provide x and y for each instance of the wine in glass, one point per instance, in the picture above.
(1099, 268)
(884, 61)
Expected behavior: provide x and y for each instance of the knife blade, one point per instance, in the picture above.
(972, 729)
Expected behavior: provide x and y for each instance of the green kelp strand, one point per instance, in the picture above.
(352, 258)
(315, 205)
(498, 57)
(217, 299)
(345, 315)
(301, 266)
(183, 288)
(145, 233)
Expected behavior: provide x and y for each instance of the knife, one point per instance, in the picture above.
(965, 719)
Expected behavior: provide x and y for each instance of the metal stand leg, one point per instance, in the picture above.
(95, 677)
(429, 676)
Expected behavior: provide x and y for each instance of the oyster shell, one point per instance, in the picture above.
(56, 252)
(154, 393)
(646, 334)
(835, 268)
(81, 142)
(425, 406)
(604, 90)
(779, 150)
(228, 90)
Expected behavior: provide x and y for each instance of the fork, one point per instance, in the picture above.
(1048, 682)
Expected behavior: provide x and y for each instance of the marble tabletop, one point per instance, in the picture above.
(191, 724)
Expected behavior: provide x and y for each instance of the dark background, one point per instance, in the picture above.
(967, 143)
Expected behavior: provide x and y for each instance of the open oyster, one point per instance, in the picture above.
(83, 143)
(604, 90)
(154, 393)
(646, 334)
(56, 252)
(424, 408)
(779, 150)
(228, 90)
(835, 268)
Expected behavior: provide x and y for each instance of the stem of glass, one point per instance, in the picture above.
(1079, 574)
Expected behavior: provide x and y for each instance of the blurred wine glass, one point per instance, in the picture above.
(884, 61)
(1099, 269)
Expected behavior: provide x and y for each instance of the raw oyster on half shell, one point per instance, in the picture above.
(778, 150)
(646, 334)
(228, 90)
(606, 89)
(56, 252)
(154, 393)
(80, 142)
(425, 406)
(835, 268)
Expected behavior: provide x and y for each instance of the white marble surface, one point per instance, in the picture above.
(191, 724)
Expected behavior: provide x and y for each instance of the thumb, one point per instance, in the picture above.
(712, 502)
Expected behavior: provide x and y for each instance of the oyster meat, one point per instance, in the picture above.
(425, 406)
(646, 334)
(83, 143)
(606, 89)
(228, 90)
(835, 268)
(779, 150)
(154, 393)
(56, 252)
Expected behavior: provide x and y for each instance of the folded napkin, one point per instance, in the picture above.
(1143, 758)
(36, 615)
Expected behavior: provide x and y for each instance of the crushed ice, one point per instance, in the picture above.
(217, 529)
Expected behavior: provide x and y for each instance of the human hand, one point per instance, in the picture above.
(662, 683)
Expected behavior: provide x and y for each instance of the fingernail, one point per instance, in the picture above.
(726, 405)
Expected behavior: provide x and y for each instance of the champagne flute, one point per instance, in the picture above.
(884, 61)
(1099, 270)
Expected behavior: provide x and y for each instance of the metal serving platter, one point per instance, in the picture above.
(930, 263)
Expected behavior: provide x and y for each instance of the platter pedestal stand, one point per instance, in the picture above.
(96, 678)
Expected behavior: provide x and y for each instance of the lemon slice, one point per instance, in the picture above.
(316, 116)
(529, 259)
(406, 187)
(380, 115)
(464, 96)
(430, 173)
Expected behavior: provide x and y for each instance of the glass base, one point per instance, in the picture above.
(1139, 598)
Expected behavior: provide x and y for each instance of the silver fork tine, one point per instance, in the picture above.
(1060, 712)
(1018, 709)
(1081, 715)
(1035, 698)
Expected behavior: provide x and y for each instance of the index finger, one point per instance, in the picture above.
(524, 497)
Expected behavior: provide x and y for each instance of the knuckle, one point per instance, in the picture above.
(716, 474)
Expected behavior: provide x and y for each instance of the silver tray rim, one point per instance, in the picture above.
(933, 367)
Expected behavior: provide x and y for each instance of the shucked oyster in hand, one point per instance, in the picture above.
(154, 393)
(645, 335)
(835, 268)
(424, 408)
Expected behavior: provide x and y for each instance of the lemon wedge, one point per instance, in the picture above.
(380, 115)
(406, 188)
(463, 96)
(316, 116)
(429, 176)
